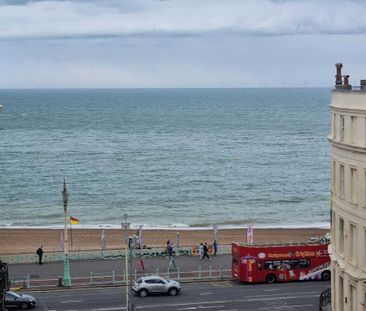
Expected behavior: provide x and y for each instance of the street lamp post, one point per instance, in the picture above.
(126, 226)
(67, 278)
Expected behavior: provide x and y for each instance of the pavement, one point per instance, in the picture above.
(106, 266)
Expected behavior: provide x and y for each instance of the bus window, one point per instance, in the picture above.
(235, 259)
(294, 263)
(286, 265)
(268, 265)
(277, 264)
(260, 265)
(304, 263)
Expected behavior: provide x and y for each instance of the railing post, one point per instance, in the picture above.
(210, 272)
(113, 277)
(178, 273)
(199, 272)
(221, 271)
(91, 278)
(27, 281)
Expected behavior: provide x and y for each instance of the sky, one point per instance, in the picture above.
(180, 43)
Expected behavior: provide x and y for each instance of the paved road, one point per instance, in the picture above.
(215, 296)
(83, 268)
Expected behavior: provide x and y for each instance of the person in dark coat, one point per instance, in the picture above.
(215, 247)
(40, 254)
(205, 252)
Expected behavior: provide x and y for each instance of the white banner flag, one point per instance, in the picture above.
(102, 241)
(250, 234)
(215, 232)
(141, 237)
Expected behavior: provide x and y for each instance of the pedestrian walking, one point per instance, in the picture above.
(40, 252)
(201, 250)
(205, 252)
(215, 247)
(169, 252)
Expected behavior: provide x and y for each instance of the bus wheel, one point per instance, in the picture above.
(326, 276)
(270, 279)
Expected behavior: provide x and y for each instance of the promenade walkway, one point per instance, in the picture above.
(83, 269)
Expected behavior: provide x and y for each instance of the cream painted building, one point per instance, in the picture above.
(348, 167)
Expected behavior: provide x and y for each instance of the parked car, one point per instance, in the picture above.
(15, 300)
(156, 285)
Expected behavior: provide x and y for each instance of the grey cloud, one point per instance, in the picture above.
(136, 18)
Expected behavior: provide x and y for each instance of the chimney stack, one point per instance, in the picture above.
(338, 76)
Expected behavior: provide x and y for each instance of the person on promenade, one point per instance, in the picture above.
(201, 251)
(205, 252)
(215, 247)
(39, 252)
(169, 252)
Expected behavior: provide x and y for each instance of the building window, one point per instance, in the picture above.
(341, 127)
(341, 180)
(341, 294)
(352, 297)
(341, 236)
(353, 129)
(334, 131)
(353, 185)
(334, 182)
(353, 244)
(363, 262)
(333, 228)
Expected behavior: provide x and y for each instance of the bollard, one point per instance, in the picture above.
(27, 284)
(178, 273)
(157, 271)
(199, 272)
(113, 277)
(221, 271)
(59, 283)
(210, 272)
(168, 272)
(135, 275)
(91, 278)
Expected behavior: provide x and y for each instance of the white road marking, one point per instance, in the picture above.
(260, 298)
(270, 290)
(283, 307)
(206, 293)
(115, 308)
(71, 301)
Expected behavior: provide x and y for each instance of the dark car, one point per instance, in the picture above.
(19, 301)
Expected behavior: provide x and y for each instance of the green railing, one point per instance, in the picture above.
(113, 279)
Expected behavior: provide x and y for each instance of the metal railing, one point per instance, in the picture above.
(112, 278)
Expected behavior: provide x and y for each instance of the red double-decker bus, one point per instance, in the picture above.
(280, 263)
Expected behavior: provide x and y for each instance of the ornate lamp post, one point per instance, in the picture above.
(67, 277)
(125, 227)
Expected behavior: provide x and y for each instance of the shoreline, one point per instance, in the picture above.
(24, 240)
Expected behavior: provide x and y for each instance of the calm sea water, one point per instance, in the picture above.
(172, 157)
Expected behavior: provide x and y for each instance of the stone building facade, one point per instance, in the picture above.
(348, 185)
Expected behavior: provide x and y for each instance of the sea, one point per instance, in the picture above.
(169, 158)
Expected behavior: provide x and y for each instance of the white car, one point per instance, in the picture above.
(156, 285)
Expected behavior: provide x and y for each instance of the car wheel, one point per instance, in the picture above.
(326, 276)
(143, 293)
(173, 291)
(270, 279)
(23, 306)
